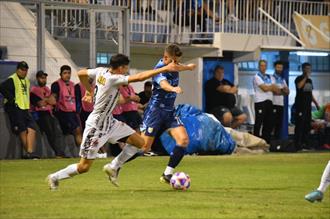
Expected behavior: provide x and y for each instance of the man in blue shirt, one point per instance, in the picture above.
(160, 116)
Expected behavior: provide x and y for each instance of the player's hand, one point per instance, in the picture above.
(177, 90)
(88, 97)
(191, 66)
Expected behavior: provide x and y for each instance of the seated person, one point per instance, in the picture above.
(221, 100)
(321, 125)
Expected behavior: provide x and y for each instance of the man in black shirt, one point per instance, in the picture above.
(303, 106)
(146, 93)
(221, 100)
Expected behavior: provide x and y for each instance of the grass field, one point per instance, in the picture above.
(259, 186)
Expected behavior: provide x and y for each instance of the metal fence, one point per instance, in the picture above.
(185, 21)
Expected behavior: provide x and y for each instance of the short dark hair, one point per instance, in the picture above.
(305, 64)
(148, 84)
(262, 60)
(65, 67)
(218, 67)
(22, 65)
(118, 60)
(173, 50)
(278, 63)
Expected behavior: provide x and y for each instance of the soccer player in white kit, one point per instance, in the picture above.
(317, 195)
(100, 125)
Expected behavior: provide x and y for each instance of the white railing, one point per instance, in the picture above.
(164, 21)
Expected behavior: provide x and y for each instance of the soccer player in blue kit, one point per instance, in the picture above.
(159, 116)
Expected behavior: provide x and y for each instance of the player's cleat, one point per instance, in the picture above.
(52, 182)
(166, 178)
(314, 196)
(113, 174)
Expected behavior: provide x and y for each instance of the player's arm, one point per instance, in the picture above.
(84, 79)
(148, 74)
(188, 67)
(84, 76)
(169, 88)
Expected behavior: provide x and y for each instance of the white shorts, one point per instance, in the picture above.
(94, 139)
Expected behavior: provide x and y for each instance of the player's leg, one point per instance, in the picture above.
(151, 124)
(92, 141)
(68, 172)
(317, 195)
(122, 133)
(182, 140)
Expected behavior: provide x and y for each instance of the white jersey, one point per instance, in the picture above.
(280, 82)
(105, 96)
(261, 95)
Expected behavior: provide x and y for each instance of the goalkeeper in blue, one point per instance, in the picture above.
(160, 116)
(317, 195)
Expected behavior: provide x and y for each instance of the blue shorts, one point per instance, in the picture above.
(69, 121)
(156, 119)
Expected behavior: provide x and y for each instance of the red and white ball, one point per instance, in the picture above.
(180, 181)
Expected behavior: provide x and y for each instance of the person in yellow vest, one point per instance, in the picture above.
(16, 90)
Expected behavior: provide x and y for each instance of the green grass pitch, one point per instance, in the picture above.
(251, 186)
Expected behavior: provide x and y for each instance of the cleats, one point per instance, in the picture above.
(52, 182)
(166, 178)
(112, 174)
(314, 196)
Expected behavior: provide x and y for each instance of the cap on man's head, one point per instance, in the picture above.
(41, 73)
(22, 65)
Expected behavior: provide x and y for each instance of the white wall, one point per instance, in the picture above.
(18, 34)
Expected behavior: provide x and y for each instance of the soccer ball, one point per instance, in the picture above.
(180, 181)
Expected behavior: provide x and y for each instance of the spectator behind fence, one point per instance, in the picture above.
(303, 107)
(263, 88)
(278, 98)
(83, 108)
(63, 90)
(221, 100)
(16, 91)
(194, 13)
(145, 94)
(42, 104)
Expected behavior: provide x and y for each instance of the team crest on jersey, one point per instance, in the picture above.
(150, 130)
(101, 80)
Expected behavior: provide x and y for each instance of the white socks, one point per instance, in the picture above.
(127, 152)
(67, 172)
(169, 170)
(325, 179)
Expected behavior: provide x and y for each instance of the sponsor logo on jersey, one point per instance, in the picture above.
(101, 80)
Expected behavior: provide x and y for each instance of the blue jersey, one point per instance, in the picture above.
(161, 98)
